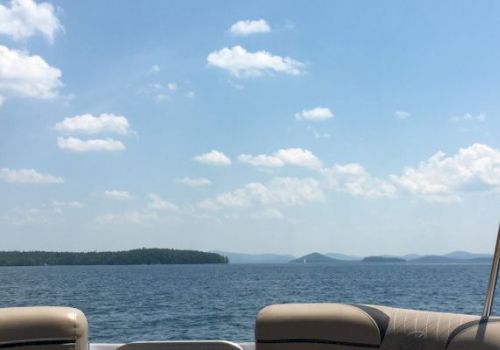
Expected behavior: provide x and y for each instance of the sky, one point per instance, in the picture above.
(358, 127)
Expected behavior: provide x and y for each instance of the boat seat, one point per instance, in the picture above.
(362, 327)
(43, 328)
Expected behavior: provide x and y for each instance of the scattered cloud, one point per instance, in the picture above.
(28, 176)
(137, 217)
(355, 180)
(316, 114)
(157, 203)
(172, 86)
(190, 94)
(161, 98)
(241, 63)
(443, 179)
(288, 156)
(117, 194)
(213, 157)
(154, 69)
(236, 85)
(248, 27)
(79, 145)
(22, 19)
(144, 216)
(58, 207)
(194, 182)
(25, 216)
(402, 115)
(67, 204)
(317, 134)
(468, 117)
(279, 191)
(89, 124)
(25, 76)
(268, 214)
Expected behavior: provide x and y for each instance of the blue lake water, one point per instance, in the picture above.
(129, 303)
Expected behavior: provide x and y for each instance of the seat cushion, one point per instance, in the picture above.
(43, 328)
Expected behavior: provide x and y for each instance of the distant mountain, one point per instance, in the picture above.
(411, 256)
(460, 257)
(241, 258)
(384, 259)
(314, 258)
(442, 259)
(340, 256)
(463, 255)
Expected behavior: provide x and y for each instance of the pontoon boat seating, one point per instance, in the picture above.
(278, 327)
(356, 327)
(43, 328)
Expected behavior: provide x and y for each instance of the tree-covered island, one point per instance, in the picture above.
(144, 256)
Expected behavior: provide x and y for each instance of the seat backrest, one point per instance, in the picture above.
(356, 327)
(43, 328)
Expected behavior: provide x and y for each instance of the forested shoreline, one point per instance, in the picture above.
(144, 256)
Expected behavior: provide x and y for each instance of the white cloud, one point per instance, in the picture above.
(213, 157)
(354, 179)
(241, 63)
(468, 117)
(22, 75)
(261, 160)
(79, 145)
(249, 27)
(25, 216)
(157, 203)
(137, 217)
(58, 207)
(154, 69)
(443, 179)
(89, 124)
(172, 86)
(190, 94)
(402, 115)
(317, 134)
(279, 191)
(288, 156)
(315, 114)
(25, 18)
(67, 204)
(268, 214)
(117, 194)
(28, 176)
(194, 182)
(161, 97)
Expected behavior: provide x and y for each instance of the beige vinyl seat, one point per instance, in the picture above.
(362, 327)
(43, 328)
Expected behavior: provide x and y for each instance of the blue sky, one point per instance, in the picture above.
(287, 127)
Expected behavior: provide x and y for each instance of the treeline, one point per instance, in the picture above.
(142, 256)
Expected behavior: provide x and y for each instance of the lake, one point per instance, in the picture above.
(172, 302)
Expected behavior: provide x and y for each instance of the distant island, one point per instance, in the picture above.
(384, 259)
(144, 256)
(455, 257)
(439, 259)
(314, 258)
(242, 258)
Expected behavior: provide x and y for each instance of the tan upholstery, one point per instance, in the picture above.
(344, 325)
(43, 328)
(356, 327)
(477, 336)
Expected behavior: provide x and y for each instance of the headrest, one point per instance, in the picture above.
(43, 327)
(317, 326)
